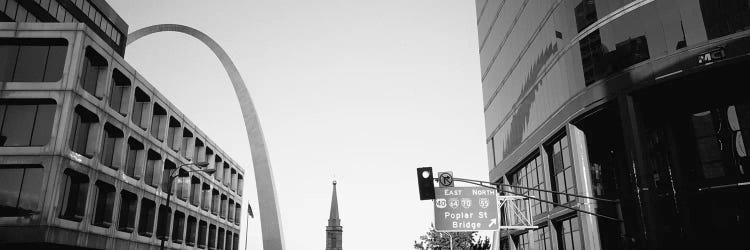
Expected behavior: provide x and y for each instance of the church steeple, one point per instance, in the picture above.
(334, 229)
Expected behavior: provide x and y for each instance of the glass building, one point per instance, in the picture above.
(87, 144)
(639, 101)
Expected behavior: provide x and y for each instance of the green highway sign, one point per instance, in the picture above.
(465, 209)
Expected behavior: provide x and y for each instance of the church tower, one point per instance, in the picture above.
(334, 229)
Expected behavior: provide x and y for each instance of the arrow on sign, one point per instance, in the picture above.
(493, 222)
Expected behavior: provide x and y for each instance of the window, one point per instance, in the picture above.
(227, 174)
(237, 210)
(195, 191)
(211, 236)
(132, 158)
(94, 70)
(181, 184)
(522, 241)
(75, 189)
(167, 170)
(178, 226)
(220, 239)
(561, 166)
(119, 91)
(240, 184)
(198, 151)
(234, 180)
(105, 203)
(206, 193)
(235, 243)
(215, 202)
(531, 173)
(223, 212)
(32, 59)
(210, 159)
(230, 212)
(202, 234)
(111, 145)
(191, 227)
(153, 161)
(543, 240)
(174, 128)
(146, 222)
(162, 228)
(128, 206)
(725, 17)
(20, 189)
(26, 122)
(229, 244)
(219, 169)
(158, 120)
(140, 107)
(81, 136)
(187, 137)
(569, 234)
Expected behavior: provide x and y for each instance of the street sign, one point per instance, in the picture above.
(445, 179)
(465, 209)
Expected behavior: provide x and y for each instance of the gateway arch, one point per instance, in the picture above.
(270, 221)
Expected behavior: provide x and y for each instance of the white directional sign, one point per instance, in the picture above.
(465, 209)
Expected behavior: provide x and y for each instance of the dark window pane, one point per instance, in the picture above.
(138, 112)
(74, 196)
(104, 205)
(55, 63)
(10, 188)
(80, 136)
(31, 191)
(45, 117)
(115, 101)
(18, 124)
(9, 52)
(30, 64)
(146, 222)
(725, 17)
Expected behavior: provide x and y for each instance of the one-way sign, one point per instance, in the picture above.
(465, 209)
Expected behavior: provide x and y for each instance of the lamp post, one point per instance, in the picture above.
(247, 224)
(451, 238)
(172, 175)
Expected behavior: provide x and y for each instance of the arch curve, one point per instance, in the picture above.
(270, 220)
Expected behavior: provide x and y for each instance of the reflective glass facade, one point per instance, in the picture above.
(635, 101)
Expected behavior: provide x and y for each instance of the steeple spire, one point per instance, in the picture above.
(334, 230)
(334, 220)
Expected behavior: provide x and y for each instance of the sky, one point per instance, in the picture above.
(361, 91)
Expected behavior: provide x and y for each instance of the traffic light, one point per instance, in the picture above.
(426, 185)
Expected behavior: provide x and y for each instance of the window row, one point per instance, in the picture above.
(130, 154)
(136, 161)
(138, 215)
(97, 17)
(161, 126)
(563, 235)
(11, 11)
(557, 176)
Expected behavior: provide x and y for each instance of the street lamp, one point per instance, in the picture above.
(174, 174)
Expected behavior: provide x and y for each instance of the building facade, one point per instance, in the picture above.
(642, 102)
(87, 144)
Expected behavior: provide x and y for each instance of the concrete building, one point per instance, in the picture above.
(640, 101)
(334, 230)
(87, 144)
